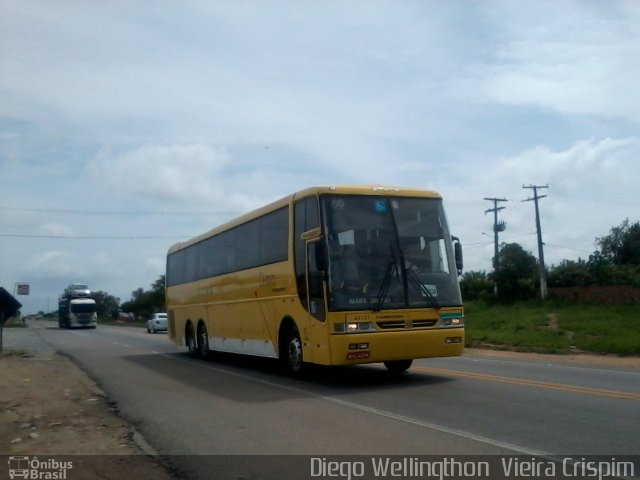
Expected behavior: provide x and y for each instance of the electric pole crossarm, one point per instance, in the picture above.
(497, 227)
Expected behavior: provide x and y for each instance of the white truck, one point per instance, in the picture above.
(76, 308)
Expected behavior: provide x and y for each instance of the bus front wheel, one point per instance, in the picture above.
(398, 366)
(293, 353)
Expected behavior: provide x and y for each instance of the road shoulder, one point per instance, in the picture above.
(51, 408)
(583, 359)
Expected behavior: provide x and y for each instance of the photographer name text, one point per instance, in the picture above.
(450, 467)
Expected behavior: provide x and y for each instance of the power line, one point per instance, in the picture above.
(475, 244)
(566, 248)
(600, 199)
(96, 237)
(114, 212)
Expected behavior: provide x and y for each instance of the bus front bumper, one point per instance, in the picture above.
(351, 349)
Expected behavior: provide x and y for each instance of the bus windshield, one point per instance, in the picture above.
(389, 252)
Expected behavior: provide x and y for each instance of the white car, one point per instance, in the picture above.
(157, 323)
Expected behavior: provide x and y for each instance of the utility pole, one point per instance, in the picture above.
(543, 275)
(497, 227)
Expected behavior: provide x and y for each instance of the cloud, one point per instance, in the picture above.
(54, 264)
(567, 57)
(156, 265)
(590, 187)
(224, 106)
(168, 172)
(56, 229)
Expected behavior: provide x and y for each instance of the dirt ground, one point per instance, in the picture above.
(49, 408)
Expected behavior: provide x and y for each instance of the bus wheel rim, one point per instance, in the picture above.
(191, 341)
(203, 344)
(295, 354)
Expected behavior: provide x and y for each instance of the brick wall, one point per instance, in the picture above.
(610, 295)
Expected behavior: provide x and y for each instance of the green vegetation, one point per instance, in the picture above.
(144, 303)
(554, 327)
(615, 262)
(141, 322)
(15, 353)
(512, 320)
(14, 322)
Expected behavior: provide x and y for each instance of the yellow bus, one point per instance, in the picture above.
(328, 275)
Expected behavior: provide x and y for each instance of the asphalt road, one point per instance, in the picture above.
(233, 405)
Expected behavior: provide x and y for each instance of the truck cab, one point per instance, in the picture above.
(76, 308)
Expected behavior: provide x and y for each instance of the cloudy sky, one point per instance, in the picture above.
(127, 126)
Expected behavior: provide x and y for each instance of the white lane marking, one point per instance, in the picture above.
(121, 344)
(375, 411)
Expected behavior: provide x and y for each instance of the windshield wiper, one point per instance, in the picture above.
(422, 288)
(392, 269)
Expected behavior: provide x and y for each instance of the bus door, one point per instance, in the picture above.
(310, 269)
(316, 275)
(317, 348)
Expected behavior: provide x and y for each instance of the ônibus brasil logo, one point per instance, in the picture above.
(35, 469)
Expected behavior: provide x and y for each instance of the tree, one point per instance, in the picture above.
(476, 285)
(157, 292)
(516, 278)
(144, 303)
(105, 303)
(571, 273)
(622, 245)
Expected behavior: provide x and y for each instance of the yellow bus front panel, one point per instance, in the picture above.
(351, 349)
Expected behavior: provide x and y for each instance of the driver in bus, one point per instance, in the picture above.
(415, 258)
(351, 279)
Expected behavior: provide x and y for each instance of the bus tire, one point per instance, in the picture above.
(293, 356)
(191, 340)
(398, 366)
(203, 341)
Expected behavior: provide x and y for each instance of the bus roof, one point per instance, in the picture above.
(337, 189)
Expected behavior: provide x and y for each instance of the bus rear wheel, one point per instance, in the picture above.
(203, 341)
(192, 343)
(398, 366)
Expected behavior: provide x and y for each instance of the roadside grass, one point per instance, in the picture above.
(15, 353)
(540, 327)
(554, 327)
(14, 322)
(604, 328)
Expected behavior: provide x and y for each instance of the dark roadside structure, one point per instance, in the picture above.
(9, 307)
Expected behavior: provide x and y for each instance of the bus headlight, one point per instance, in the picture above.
(453, 322)
(353, 327)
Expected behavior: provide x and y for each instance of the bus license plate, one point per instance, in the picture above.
(357, 355)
